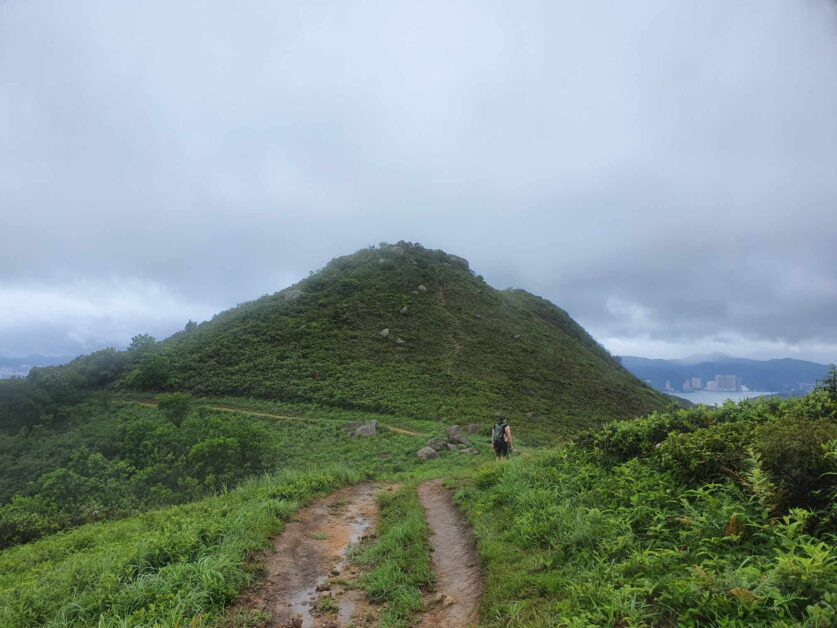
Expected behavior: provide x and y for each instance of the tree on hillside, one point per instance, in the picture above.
(142, 343)
(829, 383)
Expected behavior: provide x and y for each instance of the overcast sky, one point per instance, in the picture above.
(664, 171)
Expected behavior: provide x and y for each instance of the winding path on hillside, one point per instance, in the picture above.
(455, 561)
(285, 417)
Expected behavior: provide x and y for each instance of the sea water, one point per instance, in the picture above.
(716, 398)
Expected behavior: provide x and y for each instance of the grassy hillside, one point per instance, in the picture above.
(405, 330)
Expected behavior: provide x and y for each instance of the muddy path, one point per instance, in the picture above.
(455, 561)
(307, 580)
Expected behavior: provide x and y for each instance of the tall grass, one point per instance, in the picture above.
(399, 560)
(175, 566)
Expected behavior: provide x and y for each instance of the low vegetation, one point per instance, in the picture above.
(690, 517)
(398, 562)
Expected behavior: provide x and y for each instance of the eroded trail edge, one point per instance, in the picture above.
(302, 587)
(455, 561)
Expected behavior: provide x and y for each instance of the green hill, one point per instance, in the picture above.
(406, 330)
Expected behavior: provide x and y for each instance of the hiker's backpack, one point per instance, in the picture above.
(499, 433)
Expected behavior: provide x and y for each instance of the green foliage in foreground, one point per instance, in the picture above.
(568, 541)
(177, 566)
(686, 517)
(399, 560)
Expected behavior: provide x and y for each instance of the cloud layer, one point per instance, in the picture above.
(664, 172)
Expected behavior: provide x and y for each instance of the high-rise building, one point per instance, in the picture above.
(687, 386)
(726, 382)
(697, 384)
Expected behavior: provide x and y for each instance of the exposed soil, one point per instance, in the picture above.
(455, 561)
(307, 580)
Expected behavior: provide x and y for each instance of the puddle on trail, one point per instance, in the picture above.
(312, 548)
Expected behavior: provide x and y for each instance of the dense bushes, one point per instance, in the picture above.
(790, 437)
(128, 462)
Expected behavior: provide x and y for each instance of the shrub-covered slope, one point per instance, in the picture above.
(401, 329)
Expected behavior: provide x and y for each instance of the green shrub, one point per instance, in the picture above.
(175, 406)
(793, 452)
(707, 455)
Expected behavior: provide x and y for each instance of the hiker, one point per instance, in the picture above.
(501, 437)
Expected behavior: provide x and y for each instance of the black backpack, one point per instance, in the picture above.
(499, 433)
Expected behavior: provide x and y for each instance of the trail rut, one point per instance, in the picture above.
(304, 571)
(455, 561)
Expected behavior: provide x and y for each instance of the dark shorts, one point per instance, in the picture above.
(501, 448)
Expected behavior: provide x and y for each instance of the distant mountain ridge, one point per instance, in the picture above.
(20, 367)
(785, 375)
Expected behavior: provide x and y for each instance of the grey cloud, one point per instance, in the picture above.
(664, 172)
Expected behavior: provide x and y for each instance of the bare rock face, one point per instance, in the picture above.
(292, 295)
(427, 453)
(459, 261)
(366, 429)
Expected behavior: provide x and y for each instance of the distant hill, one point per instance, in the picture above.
(786, 376)
(400, 328)
(20, 367)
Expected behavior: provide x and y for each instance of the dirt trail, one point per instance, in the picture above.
(286, 417)
(455, 561)
(306, 568)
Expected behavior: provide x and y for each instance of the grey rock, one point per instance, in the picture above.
(384, 333)
(422, 288)
(453, 430)
(399, 341)
(461, 439)
(437, 443)
(427, 453)
(292, 295)
(473, 428)
(470, 450)
(452, 447)
(403, 310)
(366, 429)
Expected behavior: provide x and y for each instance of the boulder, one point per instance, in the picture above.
(437, 443)
(384, 333)
(427, 453)
(399, 341)
(461, 439)
(351, 427)
(422, 288)
(403, 310)
(453, 430)
(366, 429)
(452, 447)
